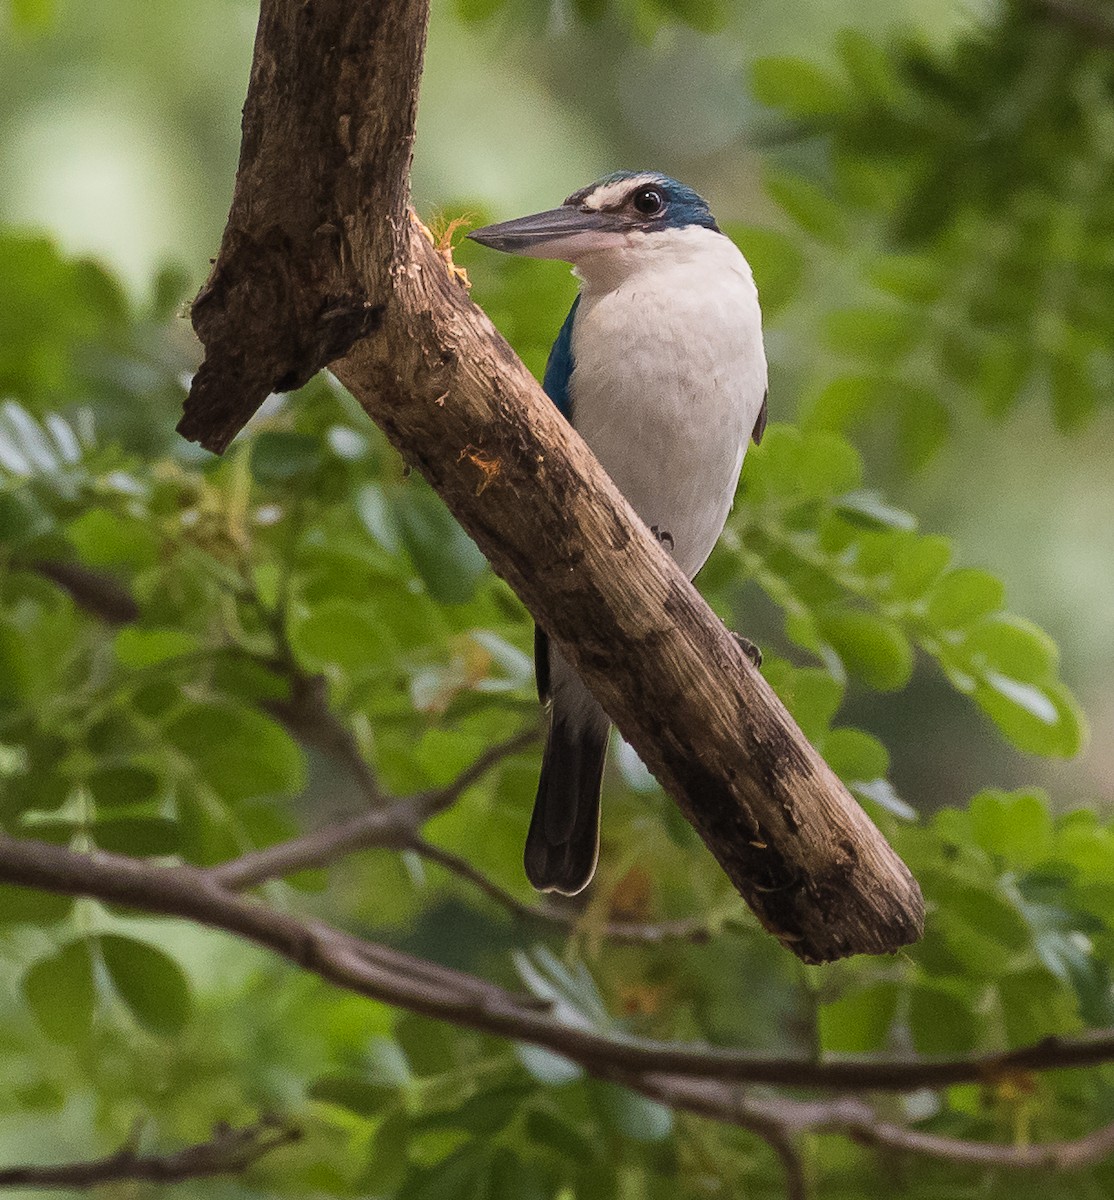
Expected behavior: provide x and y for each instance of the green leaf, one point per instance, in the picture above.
(942, 1021)
(140, 837)
(119, 787)
(859, 1021)
(378, 517)
(106, 539)
(560, 1137)
(797, 87)
(924, 423)
(868, 509)
(137, 648)
(486, 1112)
(342, 633)
(237, 751)
(478, 10)
(707, 16)
(814, 211)
(547, 1067)
(462, 1175)
(1013, 647)
(843, 402)
(777, 262)
(855, 755)
(811, 695)
(917, 563)
(279, 457)
(448, 561)
(356, 1093)
(1042, 720)
(962, 596)
(1033, 1007)
(1016, 826)
(871, 647)
(23, 518)
(918, 278)
(60, 993)
(877, 334)
(170, 291)
(630, 1114)
(827, 465)
(388, 1162)
(513, 1178)
(29, 906)
(1072, 385)
(33, 15)
(870, 67)
(149, 982)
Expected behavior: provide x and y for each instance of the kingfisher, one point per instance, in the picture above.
(660, 367)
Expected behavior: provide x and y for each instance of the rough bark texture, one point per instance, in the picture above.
(321, 262)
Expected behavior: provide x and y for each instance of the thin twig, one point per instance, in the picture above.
(384, 828)
(429, 804)
(781, 1119)
(392, 827)
(624, 932)
(227, 1152)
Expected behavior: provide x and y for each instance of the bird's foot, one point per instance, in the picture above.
(663, 536)
(749, 649)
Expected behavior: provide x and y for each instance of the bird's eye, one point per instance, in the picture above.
(649, 201)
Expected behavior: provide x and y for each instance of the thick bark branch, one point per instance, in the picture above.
(227, 1152)
(319, 253)
(404, 981)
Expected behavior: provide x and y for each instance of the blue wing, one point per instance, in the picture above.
(559, 366)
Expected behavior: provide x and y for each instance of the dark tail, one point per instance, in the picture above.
(564, 839)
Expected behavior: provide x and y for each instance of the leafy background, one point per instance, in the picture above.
(925, 192)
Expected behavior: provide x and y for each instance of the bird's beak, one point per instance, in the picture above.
(566, 233)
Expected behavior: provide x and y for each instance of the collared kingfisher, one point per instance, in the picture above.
(660, 368)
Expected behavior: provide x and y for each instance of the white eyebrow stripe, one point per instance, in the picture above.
(611, 194)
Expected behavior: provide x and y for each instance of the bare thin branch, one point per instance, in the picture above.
(392, 827)
(307, 715)
(384, 828)
(779, 1120)
(227, 1152)
(635, 933)
(407, 982)
(431, 803)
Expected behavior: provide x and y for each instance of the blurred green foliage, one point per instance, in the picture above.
(159, 609)
(984, 172)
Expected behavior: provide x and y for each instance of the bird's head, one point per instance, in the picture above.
(620, 212)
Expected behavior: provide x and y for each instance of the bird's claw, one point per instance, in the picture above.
(663, 536)
(749, 649)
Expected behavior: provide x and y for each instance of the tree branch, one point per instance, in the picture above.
(320, 259)
(400, 979)
(227, 1152)
(307, 715)
(392, 827)
(634, 933)
(396, 827)
(782, 1119)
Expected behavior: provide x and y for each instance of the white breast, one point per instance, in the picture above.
(669, 378)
